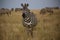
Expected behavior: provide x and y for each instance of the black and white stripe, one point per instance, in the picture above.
(29, 19)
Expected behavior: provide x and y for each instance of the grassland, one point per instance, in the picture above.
(48, 27)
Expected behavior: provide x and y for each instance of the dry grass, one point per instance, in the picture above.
(48, 27)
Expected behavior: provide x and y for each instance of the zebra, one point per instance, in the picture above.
(29, 21)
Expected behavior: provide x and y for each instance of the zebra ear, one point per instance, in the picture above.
(22, 4)
(27, 4)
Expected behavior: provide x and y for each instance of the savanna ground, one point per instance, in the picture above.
(48, 27)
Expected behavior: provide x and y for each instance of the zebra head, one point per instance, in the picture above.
(25, 6)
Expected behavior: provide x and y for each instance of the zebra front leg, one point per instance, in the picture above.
(30, 32)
